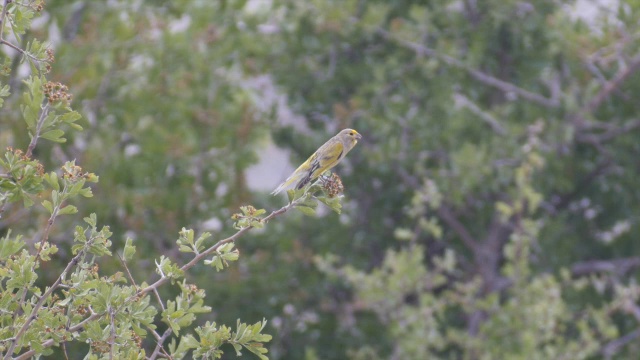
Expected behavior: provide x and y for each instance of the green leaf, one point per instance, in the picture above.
(52, 179)
(47, 205)
(306, 210)
(333, 203)
(70, 117)
(129, 250)
(290, 195)
(68, 210)
(10, 246)
(4, 92)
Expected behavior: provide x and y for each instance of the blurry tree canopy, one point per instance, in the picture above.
(491, 209)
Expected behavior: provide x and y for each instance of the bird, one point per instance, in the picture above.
(325, 158)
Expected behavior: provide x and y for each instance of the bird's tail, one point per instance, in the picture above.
(296, 176)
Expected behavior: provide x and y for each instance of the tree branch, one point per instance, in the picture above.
(611, 133)
(614, 346)
(149, 288)
(32, 316)
(495, 125)
(3, 16)
(476, 74)
(36, 134)
(196, 259)
(160, 342)
(452, 221)
(613, 85)
(617, 266)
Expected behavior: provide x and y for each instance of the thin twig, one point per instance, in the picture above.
(3, 16)
(112, 323)
(133, 281)
(21, 51)
(196, 259)
(36, 135)
(155, 291)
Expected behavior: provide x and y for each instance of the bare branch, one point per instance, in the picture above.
(452, 221)
(611, 133)
(21, 51)
(36, 135)
(609, 350)
(613, 85)
(483, 115)
(617, 266)
(159, 345)
(476, 74)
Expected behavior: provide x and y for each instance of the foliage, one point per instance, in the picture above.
(490, 209)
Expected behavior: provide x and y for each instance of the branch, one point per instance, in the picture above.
(152, 287)
(611, 133)
(476, 74)
(613, 85)
(71, 329)
(560, 201)
(617, 266)
(18, 49)
(32, 316)
(160, 341)
(614, 346)
(495, 125)
(196, 259)
(452, 221)
(32, 352)
(3, 16)
(36, 134)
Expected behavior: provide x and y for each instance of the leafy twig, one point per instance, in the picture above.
(196, 259)
(32, 316)
(3, 16)
(152, 287)
(36, 135)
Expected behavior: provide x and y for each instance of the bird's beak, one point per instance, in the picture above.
(358, 136)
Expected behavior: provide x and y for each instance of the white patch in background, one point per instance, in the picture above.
(593, 12)
(180, 25)
(132, 150)
(272, 169)
(213, 224)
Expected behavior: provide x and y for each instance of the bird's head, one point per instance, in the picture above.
(351, 135)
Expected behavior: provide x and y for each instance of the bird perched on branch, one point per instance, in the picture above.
(326, 157)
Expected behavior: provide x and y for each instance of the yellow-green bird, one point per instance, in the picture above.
(326, 157)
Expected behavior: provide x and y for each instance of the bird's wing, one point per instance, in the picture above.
(298, 175)
(331, 157)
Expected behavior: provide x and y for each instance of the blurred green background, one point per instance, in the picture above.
(490, 211)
